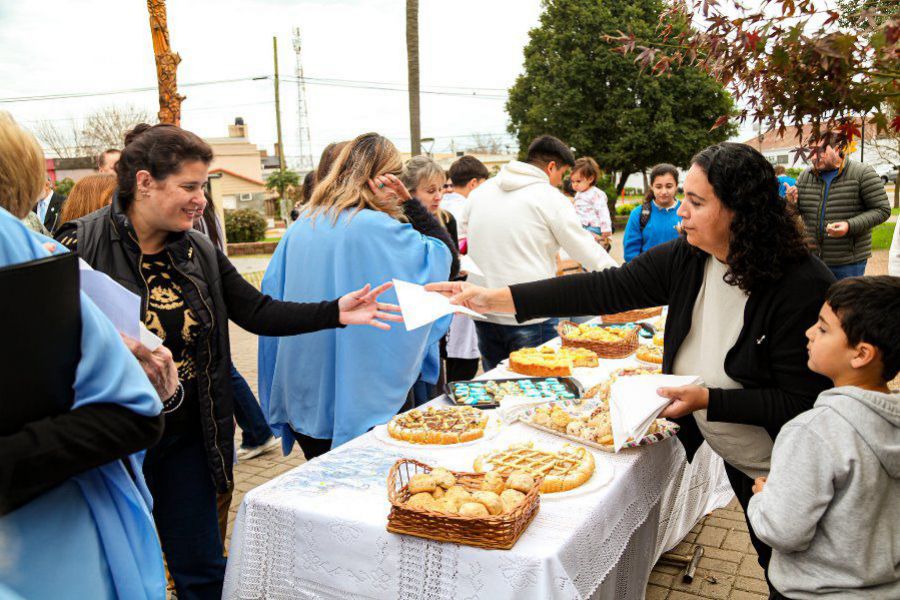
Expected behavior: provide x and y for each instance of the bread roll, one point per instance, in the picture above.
(421, 482)
(443, 477)
(422, 500)
(493, 482)
(511, 499)
(490, 500)
(473, 509)
(458, 492)
(520, 480)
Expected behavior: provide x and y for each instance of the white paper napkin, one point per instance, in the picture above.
(420, 307)
(634, 404)
(512, 408)
(122, 307)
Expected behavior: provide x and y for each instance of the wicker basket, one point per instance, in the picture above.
(618, 349)
(630, 316)
(497, 532)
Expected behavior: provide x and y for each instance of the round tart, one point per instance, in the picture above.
(564, 469)
(650, 354)
(445, 425)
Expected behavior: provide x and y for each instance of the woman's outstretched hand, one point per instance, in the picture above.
(479, 299)
(363, 308)
(685, 400)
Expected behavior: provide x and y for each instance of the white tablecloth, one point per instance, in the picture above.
(293, 542)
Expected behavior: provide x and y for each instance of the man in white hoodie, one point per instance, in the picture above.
(830, 507)
(518, 222)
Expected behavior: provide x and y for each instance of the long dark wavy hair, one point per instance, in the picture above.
(766, 234)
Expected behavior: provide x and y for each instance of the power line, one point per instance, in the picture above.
(348, 83)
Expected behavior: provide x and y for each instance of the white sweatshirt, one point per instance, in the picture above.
(517, 225)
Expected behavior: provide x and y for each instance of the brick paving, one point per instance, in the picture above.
(728, 570)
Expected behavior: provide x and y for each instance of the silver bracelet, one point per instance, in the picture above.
(175, 401)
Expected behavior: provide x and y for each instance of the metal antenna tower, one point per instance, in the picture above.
(304, 144)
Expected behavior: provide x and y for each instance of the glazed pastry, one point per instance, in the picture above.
(444, 425)
(490, 500)
(420, 482)
(473, 509)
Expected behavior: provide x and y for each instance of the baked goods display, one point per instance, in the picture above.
(562, 470)
(488, 510)
(601, 390)
(551, 362)
(439, 425)
(651, 354)
(591, 425)
(658, 338)
(607, 341)
(630, 316)
(489, 392)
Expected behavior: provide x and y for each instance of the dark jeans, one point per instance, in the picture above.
(184, 508)
(743, 489)
(461, 369)
(255, 430)
(497, 341)
(423, 392)
(845, 271)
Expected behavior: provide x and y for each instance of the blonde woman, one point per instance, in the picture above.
(326, 388)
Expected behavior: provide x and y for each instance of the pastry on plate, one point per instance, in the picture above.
(562, 470)
(550, 362)
(652, 354)
(444, 425)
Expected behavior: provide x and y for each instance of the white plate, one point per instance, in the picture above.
(490, 432)
(602, 477)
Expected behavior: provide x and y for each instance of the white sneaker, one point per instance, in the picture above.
(248, 453)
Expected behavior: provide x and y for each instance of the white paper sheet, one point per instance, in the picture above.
(420, 307)
(468, 265)
(634, 404)
(149, 339)
(121, 306)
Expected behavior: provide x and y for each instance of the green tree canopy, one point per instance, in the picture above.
(603, 104)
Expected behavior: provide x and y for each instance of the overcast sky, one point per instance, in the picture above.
(471, 49)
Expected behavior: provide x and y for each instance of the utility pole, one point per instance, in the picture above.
(412, 66)
(278, 125)
(166, 64)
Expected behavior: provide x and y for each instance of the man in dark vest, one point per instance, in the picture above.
(840, 200)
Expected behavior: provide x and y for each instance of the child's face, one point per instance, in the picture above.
(830, 353)
(580, 183)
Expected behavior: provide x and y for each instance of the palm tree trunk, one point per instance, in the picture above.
(412, 62)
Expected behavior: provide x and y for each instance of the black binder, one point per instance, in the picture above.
(40, 332)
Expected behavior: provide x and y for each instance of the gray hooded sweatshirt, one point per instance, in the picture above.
(830, 508)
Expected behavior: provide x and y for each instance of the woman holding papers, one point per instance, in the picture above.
(741, 288)
(361, 224)
(189, 291)
(74, 511)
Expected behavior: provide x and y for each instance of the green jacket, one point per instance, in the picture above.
(857, 196)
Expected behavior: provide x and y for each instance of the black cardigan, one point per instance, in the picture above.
(769, 358)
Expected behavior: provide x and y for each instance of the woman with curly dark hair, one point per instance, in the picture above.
(741, 288)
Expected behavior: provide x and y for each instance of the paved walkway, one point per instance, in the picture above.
(728, 569)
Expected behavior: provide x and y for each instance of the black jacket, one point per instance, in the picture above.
(106, 240)
(53, 210)
(769, 358)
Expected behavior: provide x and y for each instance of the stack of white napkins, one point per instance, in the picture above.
(420, 307)
(634, 404)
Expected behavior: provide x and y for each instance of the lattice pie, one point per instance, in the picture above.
(563, 470)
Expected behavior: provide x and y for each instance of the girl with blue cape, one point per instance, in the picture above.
(93, 535)
(325, 388)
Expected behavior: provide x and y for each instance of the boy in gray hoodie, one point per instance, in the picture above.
(830, 507)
